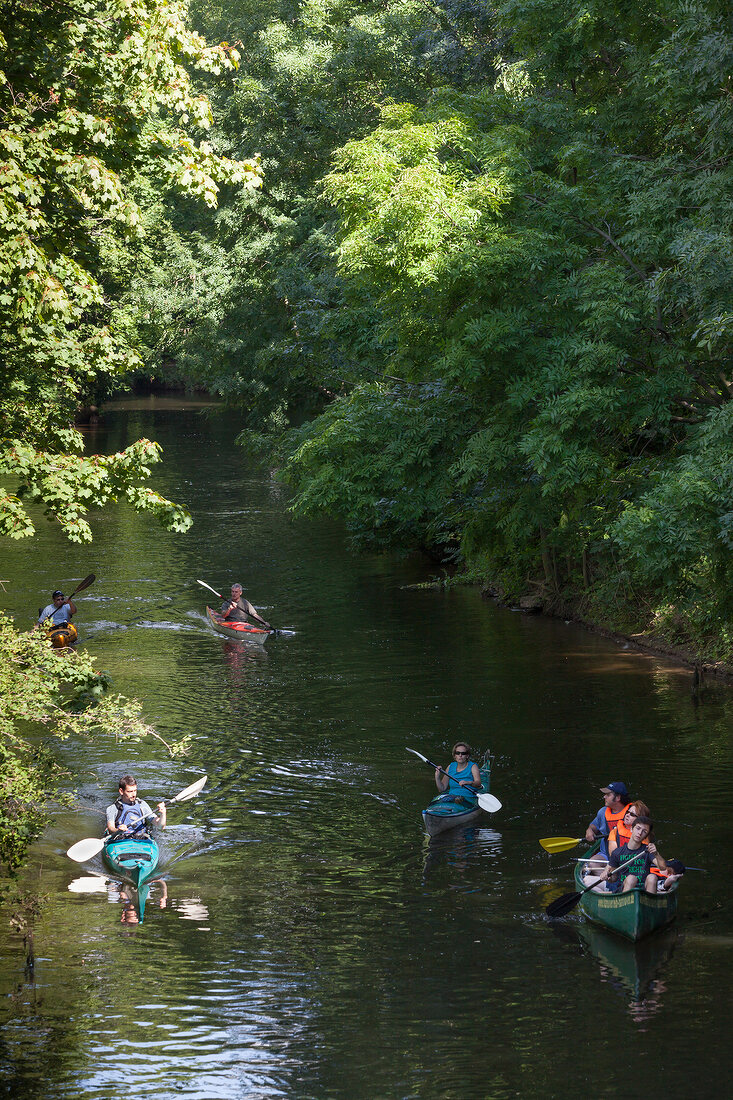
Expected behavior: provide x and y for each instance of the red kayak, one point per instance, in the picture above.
(242, 632)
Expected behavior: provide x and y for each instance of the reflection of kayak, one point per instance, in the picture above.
(448, 811)
(634, 915)
(134, 861)
(61, 636)
(243, 632)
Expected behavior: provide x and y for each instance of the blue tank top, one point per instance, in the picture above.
(465, 773)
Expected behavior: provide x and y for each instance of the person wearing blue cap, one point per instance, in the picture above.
(59, 611)
(616, 802)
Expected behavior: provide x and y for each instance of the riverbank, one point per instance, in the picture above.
(640, 638)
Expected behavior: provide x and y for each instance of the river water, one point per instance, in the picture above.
(306, 940)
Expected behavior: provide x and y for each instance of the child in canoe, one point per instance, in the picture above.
(633, 861)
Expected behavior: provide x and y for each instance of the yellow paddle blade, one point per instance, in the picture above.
(560, 843)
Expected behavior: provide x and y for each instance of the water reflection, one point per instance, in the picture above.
(458, 849)
(633, 970)
(88, 884)
(242, 660)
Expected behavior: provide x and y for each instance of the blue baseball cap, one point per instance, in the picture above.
(616, 788)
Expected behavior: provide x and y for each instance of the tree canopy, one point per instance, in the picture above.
(93, 95)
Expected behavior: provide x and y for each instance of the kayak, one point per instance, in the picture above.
(243, 632)
(61, 636)
(135, 861)
(449, 811)
(634, 915)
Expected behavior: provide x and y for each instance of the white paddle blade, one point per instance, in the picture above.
(205, 585)
(489, 803)
(85, 849)
(91, 884)
(190, 792)
(416, 753)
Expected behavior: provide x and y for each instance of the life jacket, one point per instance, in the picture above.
(125, 811)
(622, 835)
(614, 819)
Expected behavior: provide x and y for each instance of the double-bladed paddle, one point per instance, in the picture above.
(80, 587)
(92, 846)
(271, 630)
(583, 859)
(486, 801)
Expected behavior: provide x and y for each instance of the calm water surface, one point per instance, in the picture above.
(306, 940)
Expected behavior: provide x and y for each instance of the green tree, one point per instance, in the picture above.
(91, 94)
(553, 249)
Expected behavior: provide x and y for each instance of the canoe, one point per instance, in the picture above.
(243, 632)
(136, 862)
(449, 811)
(634, 915)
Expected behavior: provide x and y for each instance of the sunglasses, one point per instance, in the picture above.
(458, 752)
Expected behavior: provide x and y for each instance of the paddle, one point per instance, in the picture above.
(92, 846)
(560, 843)
(84, 584)
(272, 630)
(486, 801)
(567, 902)
(583, 859)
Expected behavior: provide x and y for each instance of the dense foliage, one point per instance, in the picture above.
(93, 95)
(489, 277)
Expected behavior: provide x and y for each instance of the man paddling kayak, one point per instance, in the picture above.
(59, 611)
(129, 814)
(239, 610)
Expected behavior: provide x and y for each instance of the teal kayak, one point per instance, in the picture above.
(449, 811)
(134, 861)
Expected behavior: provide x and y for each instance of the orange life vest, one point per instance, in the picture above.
(622, 835)
(615, 819)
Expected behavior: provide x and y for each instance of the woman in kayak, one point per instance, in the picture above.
(464, 774)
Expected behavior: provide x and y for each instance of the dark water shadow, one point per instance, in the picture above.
(633, 970)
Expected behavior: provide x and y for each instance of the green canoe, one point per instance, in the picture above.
(634, 915)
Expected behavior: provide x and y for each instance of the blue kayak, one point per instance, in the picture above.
(449, 811)
(134, 861)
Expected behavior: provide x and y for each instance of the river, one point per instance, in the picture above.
(306, 940)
